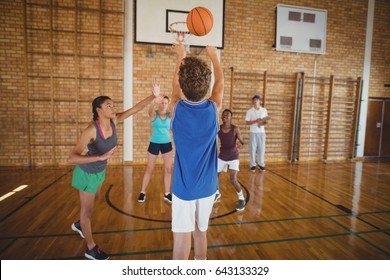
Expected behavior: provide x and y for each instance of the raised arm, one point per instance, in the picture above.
(176, 90)
(217, 91)
(140, 105)
(152, 110)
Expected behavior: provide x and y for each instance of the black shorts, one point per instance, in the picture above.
(155, 148)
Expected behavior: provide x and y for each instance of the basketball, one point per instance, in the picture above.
(200, 21)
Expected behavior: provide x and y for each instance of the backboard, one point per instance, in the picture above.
(300, 29)
(153, 17)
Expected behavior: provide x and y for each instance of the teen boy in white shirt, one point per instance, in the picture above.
(257, 117)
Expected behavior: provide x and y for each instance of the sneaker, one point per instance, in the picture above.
(253, 168)
(262, 168)
(168, 197)
(96, 254)
(76, 227)
(141, 197)
(240, 205)
(217, 196)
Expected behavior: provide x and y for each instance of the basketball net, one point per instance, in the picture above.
(180, 33)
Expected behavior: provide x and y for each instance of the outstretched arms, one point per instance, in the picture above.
(176, 90)
(217, 91)
(140, 105)
(152, 111)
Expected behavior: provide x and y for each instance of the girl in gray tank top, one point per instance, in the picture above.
(101, 140)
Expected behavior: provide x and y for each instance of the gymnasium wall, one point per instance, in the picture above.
(380, 57)
(51, 69)
(56, 57)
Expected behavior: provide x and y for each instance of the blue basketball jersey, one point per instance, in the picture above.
(195, 127)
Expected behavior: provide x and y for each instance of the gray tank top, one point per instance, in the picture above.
(98, 147)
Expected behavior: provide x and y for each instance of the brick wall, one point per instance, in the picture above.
(380, 57)
(91, 63)
(12, 85)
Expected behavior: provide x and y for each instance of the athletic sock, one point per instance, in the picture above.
(240, 195)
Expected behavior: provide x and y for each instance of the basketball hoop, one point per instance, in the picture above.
(180, 33)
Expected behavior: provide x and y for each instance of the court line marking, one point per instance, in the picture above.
(235, 245)
(338, 206)
(358, 235)
(111, 204)
(220, 245)
(235, 223)
(34, 196)
(210, 225)
(304, 188)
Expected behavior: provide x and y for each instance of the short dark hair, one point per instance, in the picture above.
(227, 110)
(256, 97)
(194, 78)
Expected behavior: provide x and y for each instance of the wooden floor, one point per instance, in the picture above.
(299, 211)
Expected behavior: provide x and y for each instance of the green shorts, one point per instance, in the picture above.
(87, 182)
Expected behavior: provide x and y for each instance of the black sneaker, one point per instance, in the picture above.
(262, 168)
(96, 254)
(253, 168)
(217, 196)
(168, 198)
(141, 197)
(76, 227)
(240, 205)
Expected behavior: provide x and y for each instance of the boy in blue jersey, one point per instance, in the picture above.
(194, 127)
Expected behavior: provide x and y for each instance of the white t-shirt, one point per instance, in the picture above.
(253, 114)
